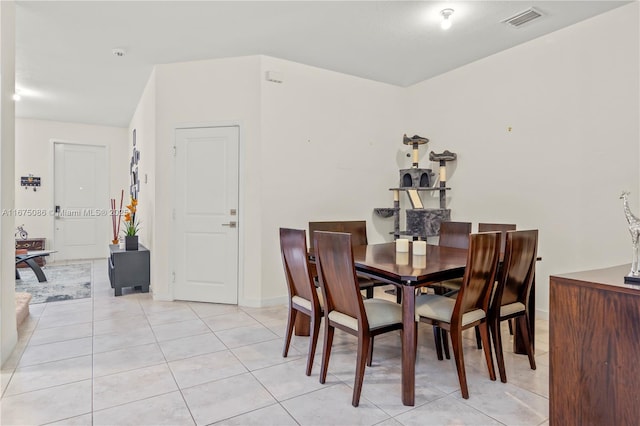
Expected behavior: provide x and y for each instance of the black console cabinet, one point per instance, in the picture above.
(129, 268)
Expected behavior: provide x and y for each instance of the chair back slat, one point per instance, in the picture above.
(357, 229)
(455, 234)
(519, 267)
(480, 273)
(502, 227)
(337, 274)
(293, 247)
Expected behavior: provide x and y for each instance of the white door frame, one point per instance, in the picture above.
(52, 177)
(241, 188)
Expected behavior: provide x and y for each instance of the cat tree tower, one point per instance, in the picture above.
(421, 222)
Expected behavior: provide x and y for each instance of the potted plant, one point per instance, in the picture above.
(131, 227)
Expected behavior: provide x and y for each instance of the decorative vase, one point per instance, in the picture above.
(131, 242)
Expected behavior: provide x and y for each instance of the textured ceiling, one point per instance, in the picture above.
(66, 71)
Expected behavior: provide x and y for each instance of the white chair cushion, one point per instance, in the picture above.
(511, 308)
(380, 313)
(454, 284)
(301, 301)
(440, 308)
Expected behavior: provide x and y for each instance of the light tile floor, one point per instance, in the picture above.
(133, 361)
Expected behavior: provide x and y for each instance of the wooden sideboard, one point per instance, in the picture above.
(32, 244)
(594, 348)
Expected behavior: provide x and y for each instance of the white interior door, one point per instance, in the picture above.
(206, 233)
(81, 197)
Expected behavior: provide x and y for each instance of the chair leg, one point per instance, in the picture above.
(484, 334)
(326, 351)
(438, 340)
(523, 326)
(510, 326)
(445, 344)
(478, 338)
(497, 346)
(363, 350)
(370, 354)
(313, 342)
(415, 340)
(456, 343)
(369, 292)
(291, 320)
(398, 295)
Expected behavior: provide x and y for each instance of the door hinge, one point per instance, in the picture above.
(175, 151)
(174, 277)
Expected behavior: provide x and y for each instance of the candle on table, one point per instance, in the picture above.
(402, 245)
(420, 248)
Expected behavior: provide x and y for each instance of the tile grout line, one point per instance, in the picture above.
(184, 400)
(23, 349)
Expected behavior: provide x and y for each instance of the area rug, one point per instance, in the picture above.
(64, 282)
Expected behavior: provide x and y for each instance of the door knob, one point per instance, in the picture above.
(231, 224)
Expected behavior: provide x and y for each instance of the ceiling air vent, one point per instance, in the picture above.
(523, 17)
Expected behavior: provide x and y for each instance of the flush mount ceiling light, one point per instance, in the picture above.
(119, 52)
(16, 97)
(446, 18)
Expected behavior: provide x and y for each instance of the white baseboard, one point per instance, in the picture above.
(540, 314)
(162, 297)
(249, 303)
(263, 303)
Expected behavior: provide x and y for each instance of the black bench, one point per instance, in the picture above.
(29, 260)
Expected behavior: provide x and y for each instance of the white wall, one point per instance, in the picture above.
(329, 147)
(144, 122)
(291, 135)
(204, 93)
(546, 132)
(8, 335)
(571, 101)
(34, 154)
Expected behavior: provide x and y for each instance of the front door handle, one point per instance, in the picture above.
(231, 224)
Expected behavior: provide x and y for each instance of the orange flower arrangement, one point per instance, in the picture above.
(130, 226)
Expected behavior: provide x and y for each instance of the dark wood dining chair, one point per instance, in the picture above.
(470, 307)
(345, 308)
(451, 285)
(456, 235)
(358, 231)
(502, 228)
(304, 296)
(511, 296)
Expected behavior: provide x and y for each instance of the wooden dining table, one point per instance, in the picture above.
(408, 273)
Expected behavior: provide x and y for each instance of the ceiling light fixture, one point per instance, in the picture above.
(119, 52)
(446, 18)
(16, 97)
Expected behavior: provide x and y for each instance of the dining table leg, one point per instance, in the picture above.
(408, 345)
(303, 325)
